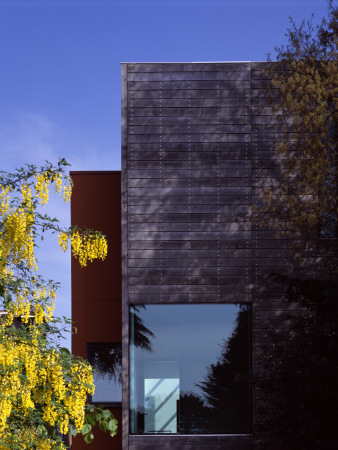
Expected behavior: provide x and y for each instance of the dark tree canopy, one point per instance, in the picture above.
(299, 387)
(304, 77)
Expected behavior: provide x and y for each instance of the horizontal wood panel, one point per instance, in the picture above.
(187, 262)
(192, 245)
(189, 289)
(232, 157)
(191, 112)
(260, 84)
(208, 130)
(187, 190)
(193, 209)
(163, 254)
(191, 76)
(185, 182)
(259, 129)
(193, 173)
(190, 227)
(187, 67)
(192, 200)
(189, 298)
(191, 93)
(189, 164)
(278, 305)
(191, 218)
(156, 272)
(259, 93)
(189, 84)
(212, 119)
(226, 137)
(191, 102)
(198, 147)
(189, 280)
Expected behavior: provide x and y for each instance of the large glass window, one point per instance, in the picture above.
(190, 369)
(106, 359)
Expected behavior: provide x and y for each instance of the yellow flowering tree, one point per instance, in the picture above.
(43, 388)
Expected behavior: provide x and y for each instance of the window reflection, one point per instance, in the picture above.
(106, 359)
(193, 376)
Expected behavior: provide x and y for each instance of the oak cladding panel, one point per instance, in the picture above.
(200, 152)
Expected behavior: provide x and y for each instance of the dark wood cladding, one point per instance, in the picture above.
(198, 150)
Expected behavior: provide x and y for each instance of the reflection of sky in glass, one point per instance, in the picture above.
(107, 389)
(194, 335)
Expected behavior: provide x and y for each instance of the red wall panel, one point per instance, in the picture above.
(96, 289)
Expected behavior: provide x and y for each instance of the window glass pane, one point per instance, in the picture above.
(106, 359)
(189, 369)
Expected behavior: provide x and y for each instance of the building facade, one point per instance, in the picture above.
(197, 302)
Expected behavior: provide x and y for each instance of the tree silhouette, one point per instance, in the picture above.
(107, 360)
(227, 386)
(142, 335)
(193, 414)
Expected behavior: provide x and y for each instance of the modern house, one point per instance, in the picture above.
(186, 294)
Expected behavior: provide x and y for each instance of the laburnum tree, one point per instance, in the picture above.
(43, 388)
(299, 383)
(304, 77)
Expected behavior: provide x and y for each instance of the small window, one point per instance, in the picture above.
(106, 359)
(190, 369)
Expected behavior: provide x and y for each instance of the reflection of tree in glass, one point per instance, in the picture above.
(107, 360)
(142, 335)
(193, 414)
(227, 386)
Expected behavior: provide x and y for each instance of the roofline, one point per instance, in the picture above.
(191, 62)
(94, 172)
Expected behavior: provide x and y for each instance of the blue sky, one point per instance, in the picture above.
(60, 74)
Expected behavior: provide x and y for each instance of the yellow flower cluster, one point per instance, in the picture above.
(63, 241)
(27, 439)
(67, 193)
(57, 180)
(88, 247)
(41, 307)
(81, 384)
(43, 181)
(34, 377)
(22, 307)
(16, 237)
(42, 187)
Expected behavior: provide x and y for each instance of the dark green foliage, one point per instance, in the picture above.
(301, 386)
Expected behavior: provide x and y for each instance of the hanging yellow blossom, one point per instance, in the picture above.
(43, 389)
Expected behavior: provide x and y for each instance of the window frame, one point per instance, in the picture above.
(250, 349)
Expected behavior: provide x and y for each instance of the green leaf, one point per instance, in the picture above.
(103, 426)
(86, 428)
(90, 419)
(88, 438)
(106, 413)
(112, 425)
(73, 431)
(41, 429)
